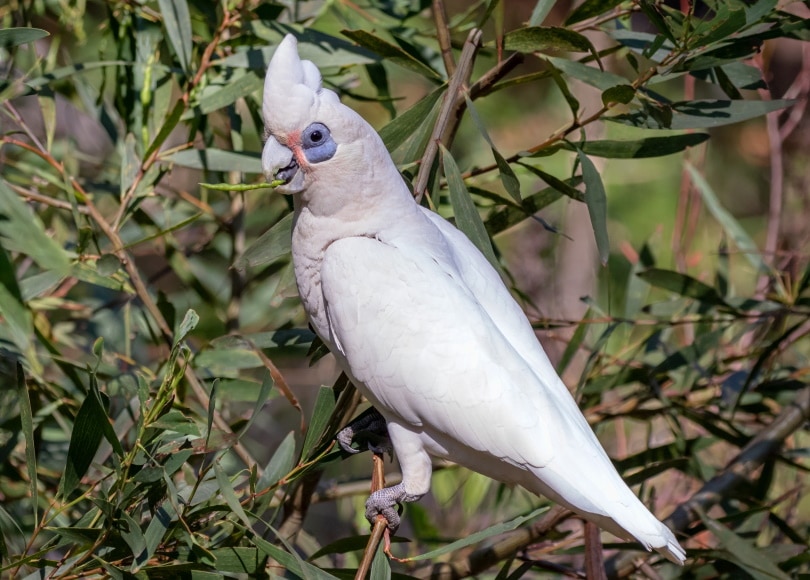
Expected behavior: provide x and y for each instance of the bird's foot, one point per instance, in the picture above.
(369, 429)
(387, 503)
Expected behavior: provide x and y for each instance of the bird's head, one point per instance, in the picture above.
(320, 148)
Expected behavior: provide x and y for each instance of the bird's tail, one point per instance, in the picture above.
(623, 515)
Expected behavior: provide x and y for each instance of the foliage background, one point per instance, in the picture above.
(160, 417)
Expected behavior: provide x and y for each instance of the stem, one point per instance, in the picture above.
(457, 81)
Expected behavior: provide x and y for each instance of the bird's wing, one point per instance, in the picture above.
(440, 348)
(426, 349)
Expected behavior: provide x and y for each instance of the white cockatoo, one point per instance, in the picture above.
(422, 323)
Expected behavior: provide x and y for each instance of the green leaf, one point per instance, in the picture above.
(177, 20)
(324, 405)
(467, 218)
(400, 129)
(261, 399)
(280, 464)
(541, 10)
(163, 517)
(744, 553)
(380, 567)
(217, 160)
(540, 38)
(228, 494)
(508, 177)
(732, 227)
(16, 36)
(596, 200)
(271, 245)
(591, 8)
(132, 534)
(478, 536)
(683, 285)
(619, 94)
(88, 430)
(238, 560)
(699, 114)
(640, 148)
(15, 314)
(587, 74)
(392, 53)
(27, 424)
(189, 323)
(22, 231)
(219, 96)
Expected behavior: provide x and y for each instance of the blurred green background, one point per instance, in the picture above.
(139, 440)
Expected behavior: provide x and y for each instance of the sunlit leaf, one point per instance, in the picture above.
(177, 20)
(16, 36)
(391, 53)
(467, 217)
(596, 200)
(699, 114)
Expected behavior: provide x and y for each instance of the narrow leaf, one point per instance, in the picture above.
(683, 285)
(391, 52)
(641, 148)
(478, 536)
(228, 494)
(540, 38)
(217, 160)
(467, 218)
(27, 424)
(324, 405)
(591, 8)
(397, 131)
(699, 114)
(280, 464)
(508, 177)
(177, 20)
(270, 246)
(541, 10)
(732, 227)
(753, 560)
(596, 200)
(16, 36)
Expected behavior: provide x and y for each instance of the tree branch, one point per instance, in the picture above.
(446, 113)
(737, 472)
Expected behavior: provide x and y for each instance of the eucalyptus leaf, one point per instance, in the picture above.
(16, 36)
(467, 217)
(596, 200)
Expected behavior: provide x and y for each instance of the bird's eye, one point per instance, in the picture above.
(317, 143)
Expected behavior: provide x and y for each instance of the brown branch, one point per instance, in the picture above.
(443, 35)
(737, 472)
(380, 524)
(138, 285)
(446, 113)
(510, 544)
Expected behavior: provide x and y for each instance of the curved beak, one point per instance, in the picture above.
(278, 161)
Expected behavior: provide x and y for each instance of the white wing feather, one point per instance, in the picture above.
(424, 323)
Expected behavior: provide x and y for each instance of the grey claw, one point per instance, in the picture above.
(345, 437)
(387, 502)
(368, 428)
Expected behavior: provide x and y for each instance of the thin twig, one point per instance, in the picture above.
(380, 524)
(737, 472)
(510, 544)
(775, 191)
(443, 35)
(457, 81)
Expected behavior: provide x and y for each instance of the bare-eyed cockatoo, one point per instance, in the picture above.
(422, 323)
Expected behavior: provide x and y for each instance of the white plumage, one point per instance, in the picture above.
(423, 324)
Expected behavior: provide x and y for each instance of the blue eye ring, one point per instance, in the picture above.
(315, 135)
(317, 143)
